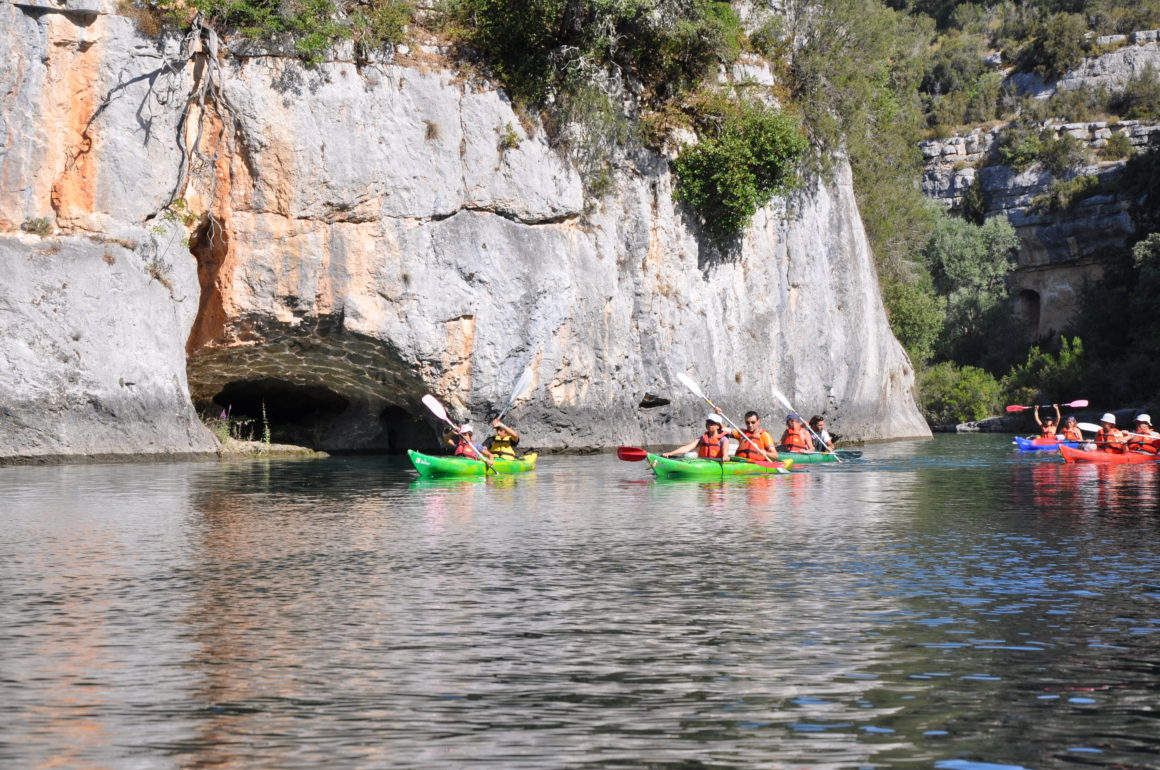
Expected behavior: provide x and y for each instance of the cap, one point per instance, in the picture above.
(1108, 417)
(792, 416)
(466, 428)
(1144, 418)
(715, 418)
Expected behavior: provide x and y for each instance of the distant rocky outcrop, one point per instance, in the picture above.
(338, 241)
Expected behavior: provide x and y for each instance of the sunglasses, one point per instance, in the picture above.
(751, 422)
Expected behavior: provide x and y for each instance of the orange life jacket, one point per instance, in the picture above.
(746, 450)
(1110, 440)
(796, 440)
(1142, 444)
(711, 447)
(1048, 431)
(463, 448)
(1072, 434)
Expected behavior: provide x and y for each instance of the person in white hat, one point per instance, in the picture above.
(711, 444)
(1144, 439)
(464, 446)
(1109, 438)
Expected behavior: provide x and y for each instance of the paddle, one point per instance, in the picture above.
(1017, 408)
(437, 409)
(631, 454)
(520, 387)
(785, 401)
(691, 385)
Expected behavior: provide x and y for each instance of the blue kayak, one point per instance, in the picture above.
(1041, 445)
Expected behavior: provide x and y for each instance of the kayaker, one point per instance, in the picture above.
(1071, 431)
(503, 443)
(710, 444)
(1048, 427)
(1145, 439)
(818, 424)
(1109, 438)
(463, 443)
(749, 436)
(796, 438)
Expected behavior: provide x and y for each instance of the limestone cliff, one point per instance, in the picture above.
(360, 235)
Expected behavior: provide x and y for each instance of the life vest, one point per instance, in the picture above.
(1048, 431)
(503, 447)
(746, 450)
(1142, 444)
(796, 440)
(464, 449)
(1072, 434)
(1110, 441)
(710, 447)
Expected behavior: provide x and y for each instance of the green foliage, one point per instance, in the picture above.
(1021, 145)
(916, 316)
(749, 157)
(965, 257)
(1140, 98)
(1052, 377)
(1065, 193)
(950, 394)
(41, 226)
(1118, 146)
(1058, 45)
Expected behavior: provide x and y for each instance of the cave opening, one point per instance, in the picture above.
(1030, 310)
(295, 414)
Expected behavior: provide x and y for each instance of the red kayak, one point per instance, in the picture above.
(1099, 456)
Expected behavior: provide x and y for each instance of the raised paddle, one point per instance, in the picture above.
(1016, 408)
(785, 402)
(689, 383)
(437, 409)
(520, 388)
(631, 454)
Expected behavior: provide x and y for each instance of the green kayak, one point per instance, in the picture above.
(434, 465)
(700, 468)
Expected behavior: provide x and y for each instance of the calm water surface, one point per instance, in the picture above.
(939, 604)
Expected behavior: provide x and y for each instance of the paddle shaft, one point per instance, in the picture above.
(517, 391)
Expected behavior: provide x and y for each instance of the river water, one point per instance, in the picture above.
(939, 604)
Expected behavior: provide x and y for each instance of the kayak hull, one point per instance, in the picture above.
(802, 458)
(1071, 455)
(700, 468)
(433, 466)
(1038, 445)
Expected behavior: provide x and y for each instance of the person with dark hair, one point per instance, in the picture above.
(752, 440)
(1048, 425)
(818, 425)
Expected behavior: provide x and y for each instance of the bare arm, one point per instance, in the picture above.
(681, 450)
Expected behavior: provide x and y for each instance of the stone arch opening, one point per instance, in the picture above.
(1030, 311)
(296, 414)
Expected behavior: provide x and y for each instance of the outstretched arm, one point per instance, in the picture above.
(681, 450)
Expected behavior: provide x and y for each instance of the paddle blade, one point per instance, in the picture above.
(784, 401)
(631, 454)
(521, 385)
(436, 408)
(1079, 403)
(688, 382)
(1088, 426)
(1016, 408)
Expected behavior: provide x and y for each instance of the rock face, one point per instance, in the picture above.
(1061, 250)
(362, 235)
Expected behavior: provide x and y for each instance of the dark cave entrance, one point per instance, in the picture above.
(295, 414)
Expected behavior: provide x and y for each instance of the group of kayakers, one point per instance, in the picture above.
(1108, 438)
(501, 444)
(753, 442)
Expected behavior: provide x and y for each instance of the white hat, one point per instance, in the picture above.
(466, 428)
(715, 418)
(1144, 418)
(1109, 417)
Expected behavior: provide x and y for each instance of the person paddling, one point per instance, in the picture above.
(503, 443)
(463, 446)
(752, 440)
(711, 444)
(1145, 439)
(795, 438)
(1071, 431)
(1047, 426)
(818, 424)
(1109, 438)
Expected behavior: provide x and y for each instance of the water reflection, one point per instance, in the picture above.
(935, 602)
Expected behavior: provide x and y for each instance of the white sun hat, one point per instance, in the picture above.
(715, 418)
(1144, 418)
(1108, 417)
(466, 428)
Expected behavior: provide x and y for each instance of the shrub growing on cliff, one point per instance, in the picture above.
(746, 156)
